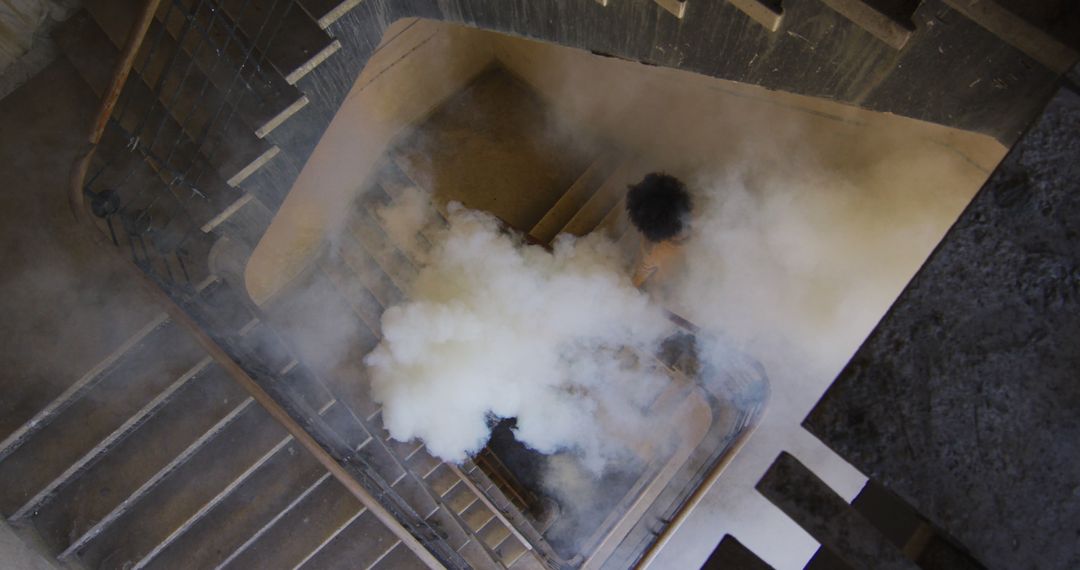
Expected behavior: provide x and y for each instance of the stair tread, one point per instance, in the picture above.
(193, 100)
(313, 521)
(362, 302)
(474, 553)
(493, 533)
(138, 377)
(365, 269)
(272, 100)
(91, 496)
(460, 498)
(326, 12)
(510, 550)
(400, 558)
(249, 507)
(361, 543)
(586, 219)
(93, 55)
(290, 40)
(370, 236)
(186, 490)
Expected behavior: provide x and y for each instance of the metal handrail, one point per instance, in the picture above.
(77, 202)
(120, 75)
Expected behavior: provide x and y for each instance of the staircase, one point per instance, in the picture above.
(155, 457)
(366, 271)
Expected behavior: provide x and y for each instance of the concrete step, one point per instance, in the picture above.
(362, 301)
(326, 12)
(606, 197)
(158, 134)
(171, 78)
(286, 36)
(268, 100)
(363, 267)
(85, 427)
(361, 544)
(268, 491)
(368, 233)
(317, 515)
(399, 558)
(575, 198)
(198, 412)
(205, 478)
(371, 203)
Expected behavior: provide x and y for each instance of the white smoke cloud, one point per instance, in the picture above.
(494, 327)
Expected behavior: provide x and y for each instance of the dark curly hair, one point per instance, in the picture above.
(658, 206)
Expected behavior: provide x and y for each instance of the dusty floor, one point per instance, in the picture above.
(65, 304)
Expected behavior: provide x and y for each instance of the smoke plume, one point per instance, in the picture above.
(498, 328)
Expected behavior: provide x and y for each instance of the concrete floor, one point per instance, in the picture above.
(65, 304)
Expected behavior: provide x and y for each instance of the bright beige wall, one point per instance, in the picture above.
(419, 64)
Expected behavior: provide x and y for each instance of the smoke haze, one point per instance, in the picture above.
(494, 327)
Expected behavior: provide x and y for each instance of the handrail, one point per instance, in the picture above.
(77, 203)
(108, 103)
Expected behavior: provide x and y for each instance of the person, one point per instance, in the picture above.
(659, 208)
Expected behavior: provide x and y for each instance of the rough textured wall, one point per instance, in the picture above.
(964, 400)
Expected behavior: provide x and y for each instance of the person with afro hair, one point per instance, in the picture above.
(659, 207)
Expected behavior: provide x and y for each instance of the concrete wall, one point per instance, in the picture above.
(419, 64)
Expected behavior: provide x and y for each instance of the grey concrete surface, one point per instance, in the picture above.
(965, 400)
(18, 555)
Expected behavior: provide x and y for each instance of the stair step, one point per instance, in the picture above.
(79, 388)
(400, 558)
(574, 198)
(493, 533)
(415, 247)
(528, 562)
(423, 464)
(442, 480)
(223, 461)
(265, 100)
(139, 376)
(380, 459)
(326, 12)
(92, 495)
(367, 271)
(363, 542)
(390, 177)
(768, 13)
(889, 22)
(192, 99)
(290, 40)
(510, 550)
(104, 446)
(448, 526)
(477, 556)
(362, 302)
(416, 496)
(320, 513)
(477, 516)
(460, 498)
(600, 203)
(251, 506)
(154, 131)
(370, 236)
